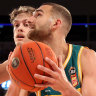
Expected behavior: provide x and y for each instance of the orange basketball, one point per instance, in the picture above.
(24, 61)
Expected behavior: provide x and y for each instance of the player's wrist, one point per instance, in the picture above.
(70, 90)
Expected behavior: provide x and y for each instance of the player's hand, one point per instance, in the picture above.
(57, 80)
(9, 55)
(8, 60)
(8, 64)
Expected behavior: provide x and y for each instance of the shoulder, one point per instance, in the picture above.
(88, 54)
(88, 61)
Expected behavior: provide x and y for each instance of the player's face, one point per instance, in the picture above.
(21, 26)
(43, 23)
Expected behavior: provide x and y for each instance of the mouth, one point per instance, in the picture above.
(20, 36)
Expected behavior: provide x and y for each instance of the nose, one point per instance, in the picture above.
(20, 28)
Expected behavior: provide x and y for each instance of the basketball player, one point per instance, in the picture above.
(21, 37)
(76, 74)
(19, 18)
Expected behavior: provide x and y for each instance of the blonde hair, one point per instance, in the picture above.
(21, 9)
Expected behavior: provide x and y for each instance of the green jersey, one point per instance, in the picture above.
(72, 67)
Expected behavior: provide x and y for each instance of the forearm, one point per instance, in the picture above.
(71, 91)
(3, 72)
(23, 92)
(13, 90)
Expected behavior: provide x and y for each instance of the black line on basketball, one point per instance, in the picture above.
(42, 57)
(19, 79)
(26, 65)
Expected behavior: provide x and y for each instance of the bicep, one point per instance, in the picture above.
(88, 62)
(89, 86)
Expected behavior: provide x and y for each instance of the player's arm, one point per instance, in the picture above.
(23, 93)
(4, 76)
(88, 62)
(13, 90)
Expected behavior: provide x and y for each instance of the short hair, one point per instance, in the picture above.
(62, 12)
(21, 9)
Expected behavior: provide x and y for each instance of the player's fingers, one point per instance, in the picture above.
(48, 71)
(42, 85)
(9, 55)
(51, 63)
(45, 78)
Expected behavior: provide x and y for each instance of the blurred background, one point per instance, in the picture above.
(83, 30)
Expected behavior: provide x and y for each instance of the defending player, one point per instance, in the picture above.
(19, 18)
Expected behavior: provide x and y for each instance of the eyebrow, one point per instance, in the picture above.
(18, 20)
(39, 10)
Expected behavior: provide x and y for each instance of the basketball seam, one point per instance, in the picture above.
(19, 79)
(42, 57)
(26, 65)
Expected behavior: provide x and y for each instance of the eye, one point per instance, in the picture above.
(16, 25)
(26, 24)
(37, 14)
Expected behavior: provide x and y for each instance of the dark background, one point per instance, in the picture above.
(76, 7)
(83, 30)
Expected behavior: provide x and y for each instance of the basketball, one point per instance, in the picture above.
(23, 64)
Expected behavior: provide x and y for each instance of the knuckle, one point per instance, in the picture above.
(56, 75)
(60, 71)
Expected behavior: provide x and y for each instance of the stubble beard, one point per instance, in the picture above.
(39, 35)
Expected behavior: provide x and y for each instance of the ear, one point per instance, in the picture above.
(56, 24)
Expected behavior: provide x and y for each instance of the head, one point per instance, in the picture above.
(21, 25)
(51, 18)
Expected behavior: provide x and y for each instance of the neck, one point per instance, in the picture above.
(59, 46)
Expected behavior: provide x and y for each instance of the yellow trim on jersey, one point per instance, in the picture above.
(79, 64)
(38, 93)
(53, 95)
(79, 90)
(68, 56)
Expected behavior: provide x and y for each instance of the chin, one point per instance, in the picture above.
(19, 43)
